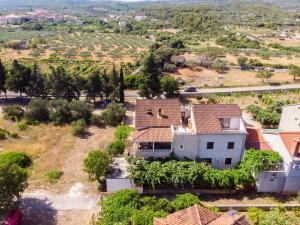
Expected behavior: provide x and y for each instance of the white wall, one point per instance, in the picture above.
(116, 184)
(234, 124)
(290, 118)
(190, 144)
(220, 151)
(271, 181)
(195, 147)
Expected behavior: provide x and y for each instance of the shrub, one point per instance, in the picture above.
(19, 158)
(80, 111)
(59, 112)
(37, 110)
(97, 120)
(2, 134)
(116, 148)
(23, 125)
(14, 135)
(97, 165)
(114, 114)
(13, 112)
(123, 132)
(79, 127)
(184, 201)
(54, 175)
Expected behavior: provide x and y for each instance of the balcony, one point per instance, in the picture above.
(154, 149)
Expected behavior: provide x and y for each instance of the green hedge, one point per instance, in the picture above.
(200, 175)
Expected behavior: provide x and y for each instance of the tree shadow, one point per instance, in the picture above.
(38, 211)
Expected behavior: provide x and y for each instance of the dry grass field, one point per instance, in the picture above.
(202, 77)
(54, 147)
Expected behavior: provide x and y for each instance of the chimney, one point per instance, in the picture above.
(149, 112)
(160, 112)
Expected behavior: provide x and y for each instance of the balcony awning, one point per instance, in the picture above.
(153, 134)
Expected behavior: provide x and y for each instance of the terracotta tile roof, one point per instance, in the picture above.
(157, 134)
(194, 215)
(291, 141)
(197, 215)
(147, 113)
(207, 116)
(226, 219)
(255, 139)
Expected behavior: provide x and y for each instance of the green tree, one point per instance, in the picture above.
(13, 181)
(18, 78)
(184, 201)
(36, 83)
(97, 165)
(149, 85)
(94, 86)
(2, 79)
(278, 216)
(114, 114)
(264, 75)
(115, 83)
(108, 88)
(122, 86)
(294, 71)
(169, 86)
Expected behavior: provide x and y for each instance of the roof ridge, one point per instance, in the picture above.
(198, 214)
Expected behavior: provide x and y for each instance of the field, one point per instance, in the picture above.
(54, 147)
(108, 47)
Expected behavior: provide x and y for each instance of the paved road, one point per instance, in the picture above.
(255, 89)
(206, 91)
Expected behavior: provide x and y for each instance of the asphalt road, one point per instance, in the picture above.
(205, 91)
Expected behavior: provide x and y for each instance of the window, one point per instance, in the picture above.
(225, 122)
(207, 160)
(210, 145)
(230, 145)
(181, 147)
(228, 161)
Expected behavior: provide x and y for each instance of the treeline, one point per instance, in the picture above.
(61, 84)
(192, 174)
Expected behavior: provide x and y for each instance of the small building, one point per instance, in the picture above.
(212, 133)
(178, 60)
(198, 215)
(285, 177)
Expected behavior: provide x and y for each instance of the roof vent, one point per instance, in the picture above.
(149, 112)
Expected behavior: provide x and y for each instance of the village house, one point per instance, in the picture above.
(212, 133)
(198, 215)
(285, 177)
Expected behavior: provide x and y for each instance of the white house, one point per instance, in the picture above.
(211, 133)
(284, 178)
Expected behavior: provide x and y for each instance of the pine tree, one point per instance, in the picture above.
(122, 88)
(2, 79)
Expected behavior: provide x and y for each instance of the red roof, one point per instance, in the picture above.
(255, 139)
(153, 134)
(157, 113)
(291, 141)
(197, 215)
(207, 116)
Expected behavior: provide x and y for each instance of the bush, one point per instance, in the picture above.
(54, 175)
(37, 110)
(23, 125)
(59, 112)
(81, 111)
(79, 127)
(114, 114)
(19, 158)
(123, 132)
(97, 120)
(97, 165)
(131, 81)
(184, 201)
(2, 134)
(13, 112)
(14, 135)
(116, 148)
